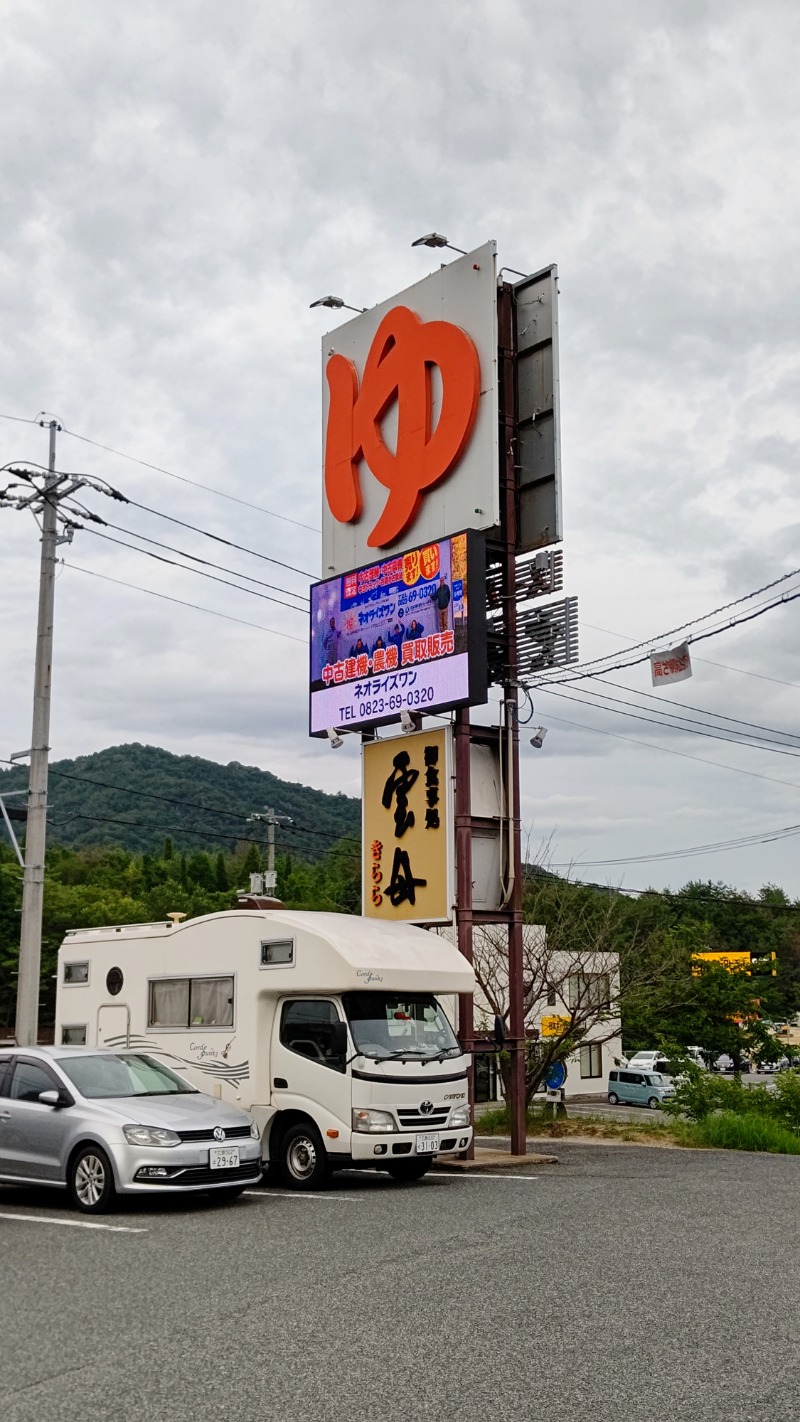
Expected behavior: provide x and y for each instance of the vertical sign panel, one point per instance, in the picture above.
(408, 828)
(539, 434)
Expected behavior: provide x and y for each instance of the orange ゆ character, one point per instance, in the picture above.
(399, 363)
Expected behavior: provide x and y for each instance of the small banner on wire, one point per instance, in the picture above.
(672, 665)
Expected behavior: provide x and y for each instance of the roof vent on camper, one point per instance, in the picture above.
(176, 918)
(258, 901)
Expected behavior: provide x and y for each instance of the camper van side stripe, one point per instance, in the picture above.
(408, 1080)
(231, 1072)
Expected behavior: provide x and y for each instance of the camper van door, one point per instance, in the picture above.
(307, 1074)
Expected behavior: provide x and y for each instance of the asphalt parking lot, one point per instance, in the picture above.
(650, 1285)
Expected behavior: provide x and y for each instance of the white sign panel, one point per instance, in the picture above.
(673, 665)
(410, 417)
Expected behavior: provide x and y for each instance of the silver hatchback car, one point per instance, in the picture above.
(101, 1123)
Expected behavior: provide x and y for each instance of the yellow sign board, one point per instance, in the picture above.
(554, 1026)
(734, 962)
(407, 828)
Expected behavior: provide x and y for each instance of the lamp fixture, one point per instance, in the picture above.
(336, 303)
(435, 239)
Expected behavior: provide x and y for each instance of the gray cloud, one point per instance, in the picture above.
(180, 182)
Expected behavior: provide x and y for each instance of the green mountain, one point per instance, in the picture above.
(136, 796)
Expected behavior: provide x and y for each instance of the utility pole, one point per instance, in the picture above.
(44, 494)
(271, 820)
(30, 943)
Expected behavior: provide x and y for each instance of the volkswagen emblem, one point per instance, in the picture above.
(219, 1134)
(426, 1108)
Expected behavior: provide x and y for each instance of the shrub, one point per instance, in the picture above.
(729, 1130)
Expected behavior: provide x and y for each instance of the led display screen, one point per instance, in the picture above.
(406, 633)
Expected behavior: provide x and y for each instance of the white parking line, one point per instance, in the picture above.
(484, 1175)
(300, 1195)
(72, 1224)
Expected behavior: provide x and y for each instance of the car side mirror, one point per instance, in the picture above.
(51, 1098)
(338, 1039)
(499, 1031)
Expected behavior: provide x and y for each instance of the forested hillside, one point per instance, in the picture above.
(134, 795)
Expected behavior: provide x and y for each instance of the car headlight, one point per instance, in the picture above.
(255, 1134)
(460, 1116)
(150, 1136)
(373, 1121)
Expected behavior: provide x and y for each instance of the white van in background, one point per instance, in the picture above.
(326, 1027)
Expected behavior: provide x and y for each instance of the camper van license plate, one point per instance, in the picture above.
(223, 1157)
(427, 1145)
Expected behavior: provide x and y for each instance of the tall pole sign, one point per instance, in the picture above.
(441, 506)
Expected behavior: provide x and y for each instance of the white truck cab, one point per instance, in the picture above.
(327, 1027)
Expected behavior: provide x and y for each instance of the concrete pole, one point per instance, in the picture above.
(30, 944)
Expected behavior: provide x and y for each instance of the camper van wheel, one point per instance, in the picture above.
(303, 1158)
(613, 1099)
(405, 1172)
(91, 1180)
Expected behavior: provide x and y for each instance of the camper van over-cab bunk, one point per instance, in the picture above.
(327, 1028)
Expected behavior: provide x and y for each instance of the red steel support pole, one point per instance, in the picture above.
(509, 519)
(463, 806)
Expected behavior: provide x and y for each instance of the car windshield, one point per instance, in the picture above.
(387, 1025)
(656, 1079)
(115, 1075)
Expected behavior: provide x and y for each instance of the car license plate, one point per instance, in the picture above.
(427, 1145)
(223, 1157)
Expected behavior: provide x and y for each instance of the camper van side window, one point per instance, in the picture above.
(73, 1036)
(191, 1002)
(277, 954)
(76, 972)
(307, 1028)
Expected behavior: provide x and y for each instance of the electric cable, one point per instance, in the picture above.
(195, 557)
(199, 572)
(579, 670)
(667, 750)
(688, 729)
(179, 602)
(705, 661)
(182, 478)
(718, 715)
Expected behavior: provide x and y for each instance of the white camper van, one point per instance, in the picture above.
(326, 1027)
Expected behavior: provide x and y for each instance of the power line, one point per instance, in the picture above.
(686, 729)
(651, 745)
(182, 478)
(195, 557)
(199, 572)
(579, 672)
(19, 419)
(744, 842)
(705, 661)
(204, 533)
(674, 896)
(717, 715)
(136, 587)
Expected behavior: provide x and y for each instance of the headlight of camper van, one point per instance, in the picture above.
(150, 1136)
(459, 1116)
(373, 1121)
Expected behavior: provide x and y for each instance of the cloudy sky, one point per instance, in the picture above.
(182, 180)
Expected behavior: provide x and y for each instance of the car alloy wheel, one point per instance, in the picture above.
(91, 1181)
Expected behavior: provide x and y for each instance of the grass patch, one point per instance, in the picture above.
(728, 1130)
(497, 1122)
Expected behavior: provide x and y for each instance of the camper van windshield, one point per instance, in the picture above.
(399, 1025)
(107, 1075)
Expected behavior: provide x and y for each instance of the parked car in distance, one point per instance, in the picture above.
(100, 1123)
(639, 1088)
